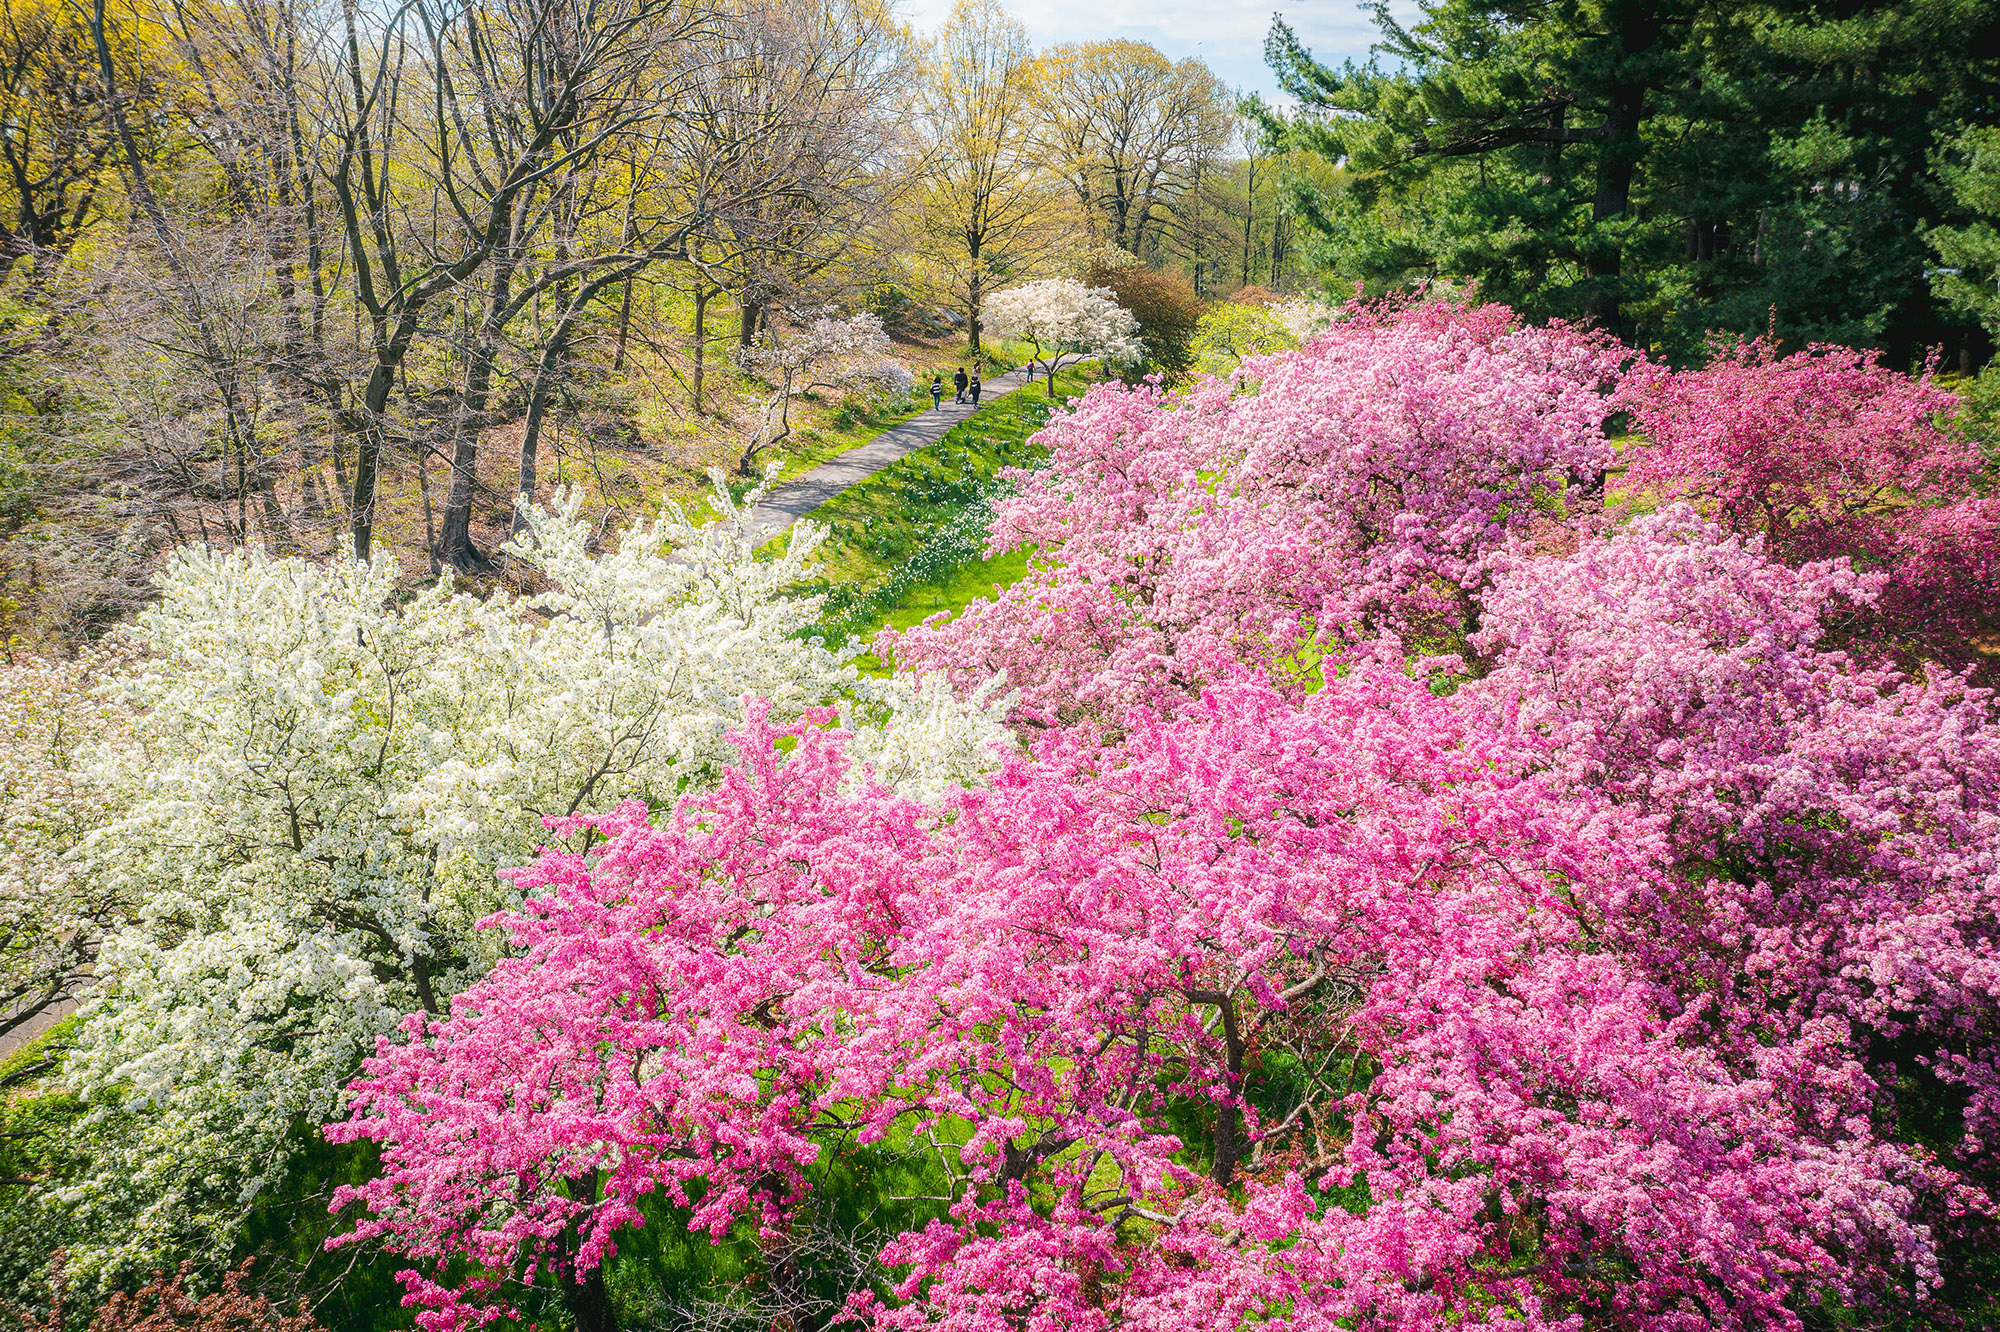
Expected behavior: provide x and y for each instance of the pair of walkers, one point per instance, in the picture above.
(961, 385)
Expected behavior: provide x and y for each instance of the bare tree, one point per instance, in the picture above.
(55, 140)
(789, 128)
(1130, 131)
(480, 105)
(985, 212)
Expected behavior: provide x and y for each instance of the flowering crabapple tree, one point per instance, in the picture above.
(1825, 453)
(825, 351)
(326, 781)
(1063, 322)
(1283, 1011)
(1364, 484)
(1833, 827)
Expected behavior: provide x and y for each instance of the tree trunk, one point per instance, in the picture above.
(1249, 213)
(531, 429)
(701, 299)
(975, 293)
(1617, 162)
(587, 1298)
(368, 451)
(624, 328)
(546, 370)
(747, 332)
(454, 540)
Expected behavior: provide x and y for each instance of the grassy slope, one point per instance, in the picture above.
(908, 542)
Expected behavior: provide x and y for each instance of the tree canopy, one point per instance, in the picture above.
(1665, 169)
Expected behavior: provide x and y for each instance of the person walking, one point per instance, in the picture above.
(958, 386)
(937, 391)
(975, 386)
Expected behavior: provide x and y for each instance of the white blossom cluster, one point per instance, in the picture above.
(326, 782)
(1302, 316)
(52, 915)
(1064, 321)
(830, 350)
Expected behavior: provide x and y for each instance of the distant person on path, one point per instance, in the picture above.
(937, 391)
(958, 385)
(975, 386)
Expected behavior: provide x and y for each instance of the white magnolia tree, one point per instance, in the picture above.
(326, 782)
(1063, 322)
(823, 351)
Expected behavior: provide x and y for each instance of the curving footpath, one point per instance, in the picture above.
(800, 496)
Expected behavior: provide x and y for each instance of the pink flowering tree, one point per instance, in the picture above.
(1827, 452)
(1283, 1010)
(1832, 831)
(1317, 498)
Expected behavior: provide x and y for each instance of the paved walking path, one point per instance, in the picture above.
(800, 496)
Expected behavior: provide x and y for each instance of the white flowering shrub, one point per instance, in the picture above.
(1063, 322)
(52, 915)
(326, 782)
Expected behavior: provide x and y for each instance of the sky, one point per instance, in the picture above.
(1228, 34)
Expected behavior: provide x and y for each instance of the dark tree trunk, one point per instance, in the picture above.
(624, 328)
(1617, 163)
(1249, 212)
(531, 429)
(588, 1300)
(701, 298)
(554, 352)
(368, 452)
(454, 540)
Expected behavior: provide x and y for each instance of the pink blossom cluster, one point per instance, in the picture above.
(1832, 830)
(1624, 953)
(1366, 484)
(1828, 452)
(1366, 887)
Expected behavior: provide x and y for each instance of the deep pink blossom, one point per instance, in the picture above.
(1342, 937)
(1827, 452)
(1588, 973)
(1833, 830)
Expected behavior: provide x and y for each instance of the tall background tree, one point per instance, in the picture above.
(986, 210)
(1131, 133)
(1661, 168)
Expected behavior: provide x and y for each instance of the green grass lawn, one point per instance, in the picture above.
(910, 540)
(855, 421)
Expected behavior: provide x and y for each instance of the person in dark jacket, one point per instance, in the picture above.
(974, 386)
(958, 385)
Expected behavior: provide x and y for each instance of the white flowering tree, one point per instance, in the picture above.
(1303, 317)
(326, 782)
(823, 351)
(1064, 322)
